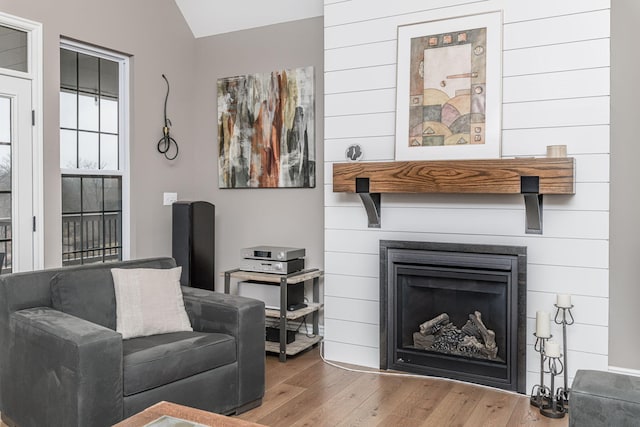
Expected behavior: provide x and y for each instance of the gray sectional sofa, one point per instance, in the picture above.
(63, 364)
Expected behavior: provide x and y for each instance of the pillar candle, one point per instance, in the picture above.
(563, 301)
(543, 325)
(552, 349)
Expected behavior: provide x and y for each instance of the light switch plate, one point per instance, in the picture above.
(170, 198)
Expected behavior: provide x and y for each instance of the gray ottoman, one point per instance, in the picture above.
(604, 399)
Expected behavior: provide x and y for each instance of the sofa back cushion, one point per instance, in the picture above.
(87, 291)
(87, 294)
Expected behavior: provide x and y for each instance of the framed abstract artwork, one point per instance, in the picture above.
(266, 130)
(448, 95)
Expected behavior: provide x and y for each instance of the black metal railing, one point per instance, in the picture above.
(5, 245)
(91, 237)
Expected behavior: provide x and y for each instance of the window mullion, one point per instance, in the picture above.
(99, 98)
(82, 248)
(77, 112)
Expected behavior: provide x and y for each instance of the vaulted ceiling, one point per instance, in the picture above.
(211, 17)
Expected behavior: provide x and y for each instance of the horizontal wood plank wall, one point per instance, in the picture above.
(555, 91)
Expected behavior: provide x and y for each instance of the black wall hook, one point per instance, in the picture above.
(165, 143)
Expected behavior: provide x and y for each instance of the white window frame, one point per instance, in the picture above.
(34, 73)
(123, 135)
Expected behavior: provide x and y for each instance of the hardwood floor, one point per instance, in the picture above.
(305, 391)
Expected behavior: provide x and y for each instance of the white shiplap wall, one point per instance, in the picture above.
(555, 91)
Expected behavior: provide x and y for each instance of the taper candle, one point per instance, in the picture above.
(543, 324)
(563, 300)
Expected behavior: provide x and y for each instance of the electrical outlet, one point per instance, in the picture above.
(170, 198)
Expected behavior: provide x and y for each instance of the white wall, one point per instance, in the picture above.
(555, 91)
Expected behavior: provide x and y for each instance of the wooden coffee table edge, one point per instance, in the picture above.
(195, 415)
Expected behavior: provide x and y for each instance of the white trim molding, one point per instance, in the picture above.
(123, 132)
(34, 73)
(625, 371)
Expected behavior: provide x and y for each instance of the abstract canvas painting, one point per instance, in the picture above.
(266, 130)
(448, 97)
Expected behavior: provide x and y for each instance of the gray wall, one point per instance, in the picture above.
(624, 279)
(250, 217)
(156, 35)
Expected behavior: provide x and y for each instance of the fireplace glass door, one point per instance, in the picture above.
(448, 314)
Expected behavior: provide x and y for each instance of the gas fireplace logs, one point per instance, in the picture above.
(434, 325)
(473, 340)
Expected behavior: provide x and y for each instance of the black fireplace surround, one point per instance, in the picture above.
(456, 287)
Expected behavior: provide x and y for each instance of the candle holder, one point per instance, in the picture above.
(540, 394)
(555, 408)
(565, 319)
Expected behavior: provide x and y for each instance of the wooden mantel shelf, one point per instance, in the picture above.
(499, 176)
(532, 177)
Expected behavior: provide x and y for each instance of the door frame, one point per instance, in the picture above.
(34, 73)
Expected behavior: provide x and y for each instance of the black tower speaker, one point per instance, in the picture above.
(193, 243)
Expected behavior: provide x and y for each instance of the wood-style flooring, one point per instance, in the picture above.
(305, 391)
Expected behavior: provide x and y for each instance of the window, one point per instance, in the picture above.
(13, 49)
(92, 155)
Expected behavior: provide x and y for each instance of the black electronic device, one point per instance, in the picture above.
(193, 242)
(270, 293)
(294, 307)
(273, 335)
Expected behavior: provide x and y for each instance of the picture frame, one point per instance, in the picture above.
(449, 89)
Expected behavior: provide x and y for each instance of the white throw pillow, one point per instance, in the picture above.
(149, 301)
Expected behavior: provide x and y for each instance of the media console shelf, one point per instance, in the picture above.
(531, 177)
(303, 341)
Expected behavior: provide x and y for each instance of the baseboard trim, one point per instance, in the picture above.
(626, 371)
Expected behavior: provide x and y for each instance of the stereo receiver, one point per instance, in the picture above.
(272, 253)
(268, 266)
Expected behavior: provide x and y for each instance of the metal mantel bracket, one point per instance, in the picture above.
(530, 189)
(371, 202)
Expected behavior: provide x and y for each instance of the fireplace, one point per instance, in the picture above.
(454, 310)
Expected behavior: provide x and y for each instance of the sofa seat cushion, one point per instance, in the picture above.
(157, 360)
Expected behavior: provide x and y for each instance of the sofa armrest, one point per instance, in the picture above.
(244, 319)
(71, 367)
